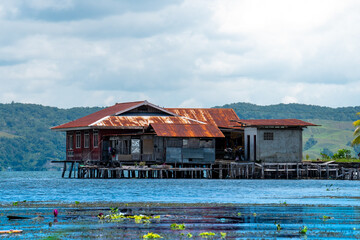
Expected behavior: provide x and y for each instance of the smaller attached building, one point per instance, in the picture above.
(274, 140)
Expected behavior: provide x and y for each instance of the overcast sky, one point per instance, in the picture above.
(180, 53)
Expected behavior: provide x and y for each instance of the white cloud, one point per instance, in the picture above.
(180, 53)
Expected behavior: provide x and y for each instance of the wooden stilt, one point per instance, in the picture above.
(64, 170)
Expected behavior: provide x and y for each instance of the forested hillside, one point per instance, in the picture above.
(27, 143)
(293, 110)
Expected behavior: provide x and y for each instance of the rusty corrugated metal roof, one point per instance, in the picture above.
(221, 117)
(187, 130)
(275, 122)
(89, 119)
(140, 121)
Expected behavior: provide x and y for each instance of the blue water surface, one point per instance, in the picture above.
(50, 187)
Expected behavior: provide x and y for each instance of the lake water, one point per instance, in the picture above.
(241, 209)
(50, 187)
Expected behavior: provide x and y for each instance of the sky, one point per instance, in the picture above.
(180, 53)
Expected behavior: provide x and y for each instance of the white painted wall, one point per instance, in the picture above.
(249, 132)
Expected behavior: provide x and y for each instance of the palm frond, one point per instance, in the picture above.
(356, 123)
(356, 141)
(357, 131)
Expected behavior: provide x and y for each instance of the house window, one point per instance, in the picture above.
(96, 138)
(268, 136)
(135, 146)
(78, 140)
(124, 147)
(86, 140)
(70, 142)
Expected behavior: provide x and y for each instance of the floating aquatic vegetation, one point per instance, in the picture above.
(16, 203)
(278, 226)
(188, 235)
(151, 235)
(77, 202)
(327, 217)
(222, 235)
(239, 214)
(330, 187)
(116, 216)
(176, 226)
(207, 234)
(114, 210)
(303, 230)
(254, 214)
(283, 203)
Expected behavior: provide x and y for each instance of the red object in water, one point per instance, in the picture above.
(55, 212)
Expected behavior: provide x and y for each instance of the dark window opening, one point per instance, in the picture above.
(268, 136)
(78, 140)
(86, 140)
(96, 139)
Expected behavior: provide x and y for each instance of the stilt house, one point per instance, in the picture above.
(135, 132)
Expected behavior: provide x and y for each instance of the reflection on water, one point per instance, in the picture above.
(237, 221)
(49, 186)
(329, 209)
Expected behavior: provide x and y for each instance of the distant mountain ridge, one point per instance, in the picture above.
(27, 143)
(293, 110)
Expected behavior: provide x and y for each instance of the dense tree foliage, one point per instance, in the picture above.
(32, 144)
(309, 143)
(293, 110)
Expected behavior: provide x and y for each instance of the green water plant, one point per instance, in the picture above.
(327, 217)
(176, 226)
(189, 235)
(116, 216)
(114, 210)
(151, 235)
(207, 234)
(222, 235)
(15, 203)
(303, 230)
(77, 202)
(278, 226)
(239, 214)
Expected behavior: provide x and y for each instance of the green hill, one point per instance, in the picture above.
(293, 110)
(331, 135)
(27, 143)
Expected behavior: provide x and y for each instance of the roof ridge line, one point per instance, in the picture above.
(101, 119)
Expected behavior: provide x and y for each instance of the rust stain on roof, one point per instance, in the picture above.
(187, 130)
(275, 122)
(96, 116)
(221, 117)
(141, 121)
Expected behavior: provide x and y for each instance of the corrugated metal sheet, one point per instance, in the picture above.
(141, 121)
(89, 119)
(275, 122)
(221, 117)
(187, 130)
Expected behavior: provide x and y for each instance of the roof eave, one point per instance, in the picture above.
(96, 127)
